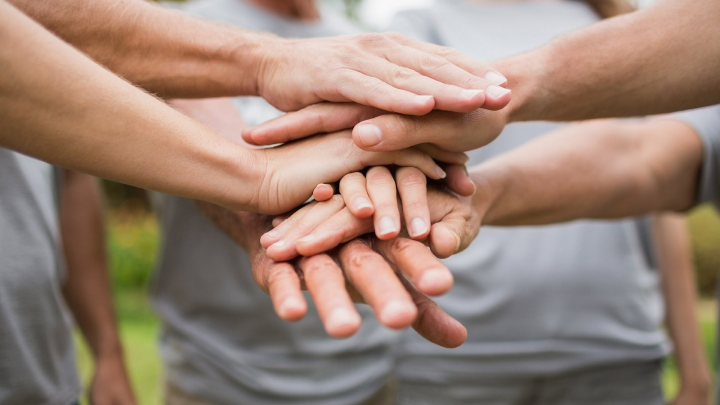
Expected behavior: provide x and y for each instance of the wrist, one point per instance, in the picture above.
(248, 53)
(254, 57)
(527, 75)
(245, 170)
(489, 188)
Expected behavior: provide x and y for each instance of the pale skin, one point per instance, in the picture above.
(672, 244)
(590, 73)
(597, 169)
(65, 109)
(403, 271)
(174, 55)
(87, 288)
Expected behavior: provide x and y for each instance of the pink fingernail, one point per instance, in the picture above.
(272, 234)
(362, 203)
(417, 227)
(279, 244)
(440, 172)
(496, 91)
(341, 318)
(422, 99)
(395, 311)
(290, 304)
(495, 78)
(370, 135)
(435, 281)
(386, 226)
(470, 94)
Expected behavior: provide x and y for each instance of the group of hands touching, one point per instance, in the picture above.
(388, 179)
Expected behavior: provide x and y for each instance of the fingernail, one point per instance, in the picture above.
(308, 238)
(417, 227)
(435, 281)
(440, 172)
(470, 94)
(278, 244)
(272, 234)
(340, 318)
(422, 99)
(370, 135)
(362, 203)
(395, 311)
(496, 91)
(495, 78)
(386, 226)
(290, 304)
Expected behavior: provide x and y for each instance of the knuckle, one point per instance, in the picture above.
(395, 36)
(320, 267)
(373, 39)
(414, 206)
(403, 75)
(277, 275)
(401, 245)
(432, 62)
(381, 180)
(360, 260)
(411, 178)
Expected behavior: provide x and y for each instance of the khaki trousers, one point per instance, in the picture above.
(175, 396)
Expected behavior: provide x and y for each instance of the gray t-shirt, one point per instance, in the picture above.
(36, 346)
(706, 123)
(221, 339)
(536, 300)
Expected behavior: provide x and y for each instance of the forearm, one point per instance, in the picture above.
(143, 42)
(672, 244)
(87, 290)
(652, 61)
(59, 106)
(591, 170)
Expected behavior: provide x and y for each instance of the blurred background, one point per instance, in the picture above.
(133, 243)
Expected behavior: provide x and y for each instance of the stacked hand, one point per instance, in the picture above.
(365, 244)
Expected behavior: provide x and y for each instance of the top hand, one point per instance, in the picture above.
(387, 71)
(376, 130)
(362, 271)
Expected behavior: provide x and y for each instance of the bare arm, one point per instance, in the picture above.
(602, 169)
(175, 55)
(87, 290)
(660, 59)
(61, 107)
(672, 242)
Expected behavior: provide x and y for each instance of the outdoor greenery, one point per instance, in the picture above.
(133, 243)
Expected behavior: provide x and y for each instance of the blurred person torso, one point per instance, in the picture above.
(37, 358)
(221, 340)
(537, 301)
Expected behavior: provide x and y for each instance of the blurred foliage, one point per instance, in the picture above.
(705, 233)
(133, 243)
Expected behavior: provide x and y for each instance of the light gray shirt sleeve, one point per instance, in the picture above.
(706, 123)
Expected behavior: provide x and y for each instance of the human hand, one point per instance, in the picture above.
(363, 271)
(319, 227)
(289, 173)
(387, 71)
(377, 130)
(110, 384)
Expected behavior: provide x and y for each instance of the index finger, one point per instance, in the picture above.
(311, 120)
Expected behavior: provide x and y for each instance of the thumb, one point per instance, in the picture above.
(451, 235)
(311, 120)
